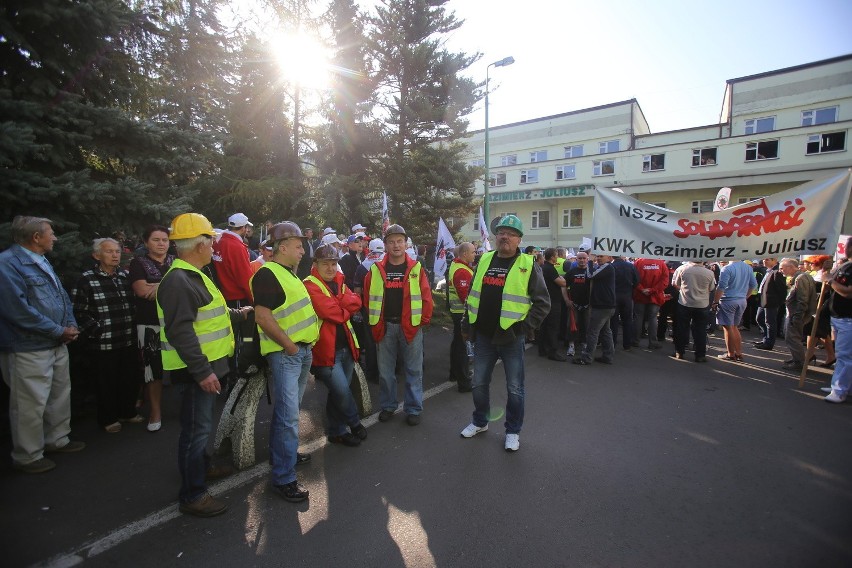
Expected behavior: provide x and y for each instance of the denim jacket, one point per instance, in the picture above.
(34, 311)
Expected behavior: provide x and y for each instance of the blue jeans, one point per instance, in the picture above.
(486, 355)
(841, 380)
(767, 321)
(392, 345)
(599, 327)
(196, 423)
(340, 408)
(289, 378)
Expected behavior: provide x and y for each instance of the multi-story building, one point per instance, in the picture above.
(776, 130)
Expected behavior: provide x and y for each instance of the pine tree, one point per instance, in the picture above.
(71, 148)
(422, 98)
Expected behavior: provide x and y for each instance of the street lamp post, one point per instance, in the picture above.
(485, 207)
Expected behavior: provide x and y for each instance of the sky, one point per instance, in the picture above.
(673, 56)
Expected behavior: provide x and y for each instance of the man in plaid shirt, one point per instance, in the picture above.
(104, 311)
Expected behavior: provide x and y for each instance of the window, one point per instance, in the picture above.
(510, 160)
(572, 218)
(541, 219)
(702, 206)
(498, 179)
(819, 116)
(742, 200)
(478, 162)
(476, 222)
(608, 146)
(573, 151)
(653, 162)
(538, 156)
(765, 150)
(529, 176)
(758, 125)
(660, 204)
(565, 172)
(603, 167)
(830, 142)
(704, 157)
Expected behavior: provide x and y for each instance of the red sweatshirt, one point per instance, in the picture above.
(653, 275)
(233, 270)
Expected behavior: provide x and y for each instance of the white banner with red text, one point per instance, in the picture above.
(803, 220)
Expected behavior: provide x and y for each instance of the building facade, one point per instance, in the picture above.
(776, 130)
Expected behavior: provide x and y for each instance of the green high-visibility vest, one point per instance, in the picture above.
(456, 305)
(296, 316)
(560, 266)
(516, 300)
(212, 324)
(376, 294)
(327, 292)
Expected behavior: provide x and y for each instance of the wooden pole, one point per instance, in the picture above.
(809, 352)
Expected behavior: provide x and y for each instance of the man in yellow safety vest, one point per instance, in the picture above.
(196, 340)
(399, 304)
(508, 298)
(288, 328)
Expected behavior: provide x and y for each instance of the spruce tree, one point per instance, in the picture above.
(422, 97)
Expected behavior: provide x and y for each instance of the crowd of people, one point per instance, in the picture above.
(203, 306)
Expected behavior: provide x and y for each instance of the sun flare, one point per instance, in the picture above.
(303, 59)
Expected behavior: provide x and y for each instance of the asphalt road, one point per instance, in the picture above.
(648, 462)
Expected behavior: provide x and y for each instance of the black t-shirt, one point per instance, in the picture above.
(266, 289)
(577, 281)
(550, 274)
(394, 282)
(491, 298)
(842, 307)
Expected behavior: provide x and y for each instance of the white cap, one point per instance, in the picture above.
(377, 245)
(238, 220)
(358, 227)
(328, 231)
(330, 239)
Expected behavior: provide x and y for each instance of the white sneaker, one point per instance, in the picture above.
(825, 389)
(571, 350)
(513, 442)
(835, 397)
(472, 430)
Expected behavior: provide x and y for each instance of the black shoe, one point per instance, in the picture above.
(385, 415)
(359, 431)
(557, 357)
(762, 346)
(603, 360)
(292, 492)
(346, 439)
(700, 359)
(581, 361)
(302, 458)
(413, 419)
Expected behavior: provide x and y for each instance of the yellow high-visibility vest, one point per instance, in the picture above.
(516, 300)
(296, 316)
(376, 294)
(212, 324)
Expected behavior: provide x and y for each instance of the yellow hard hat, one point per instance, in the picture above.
(190, 225)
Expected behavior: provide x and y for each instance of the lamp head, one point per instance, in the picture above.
(505, 61)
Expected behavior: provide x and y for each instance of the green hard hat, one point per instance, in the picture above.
(512, 222)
